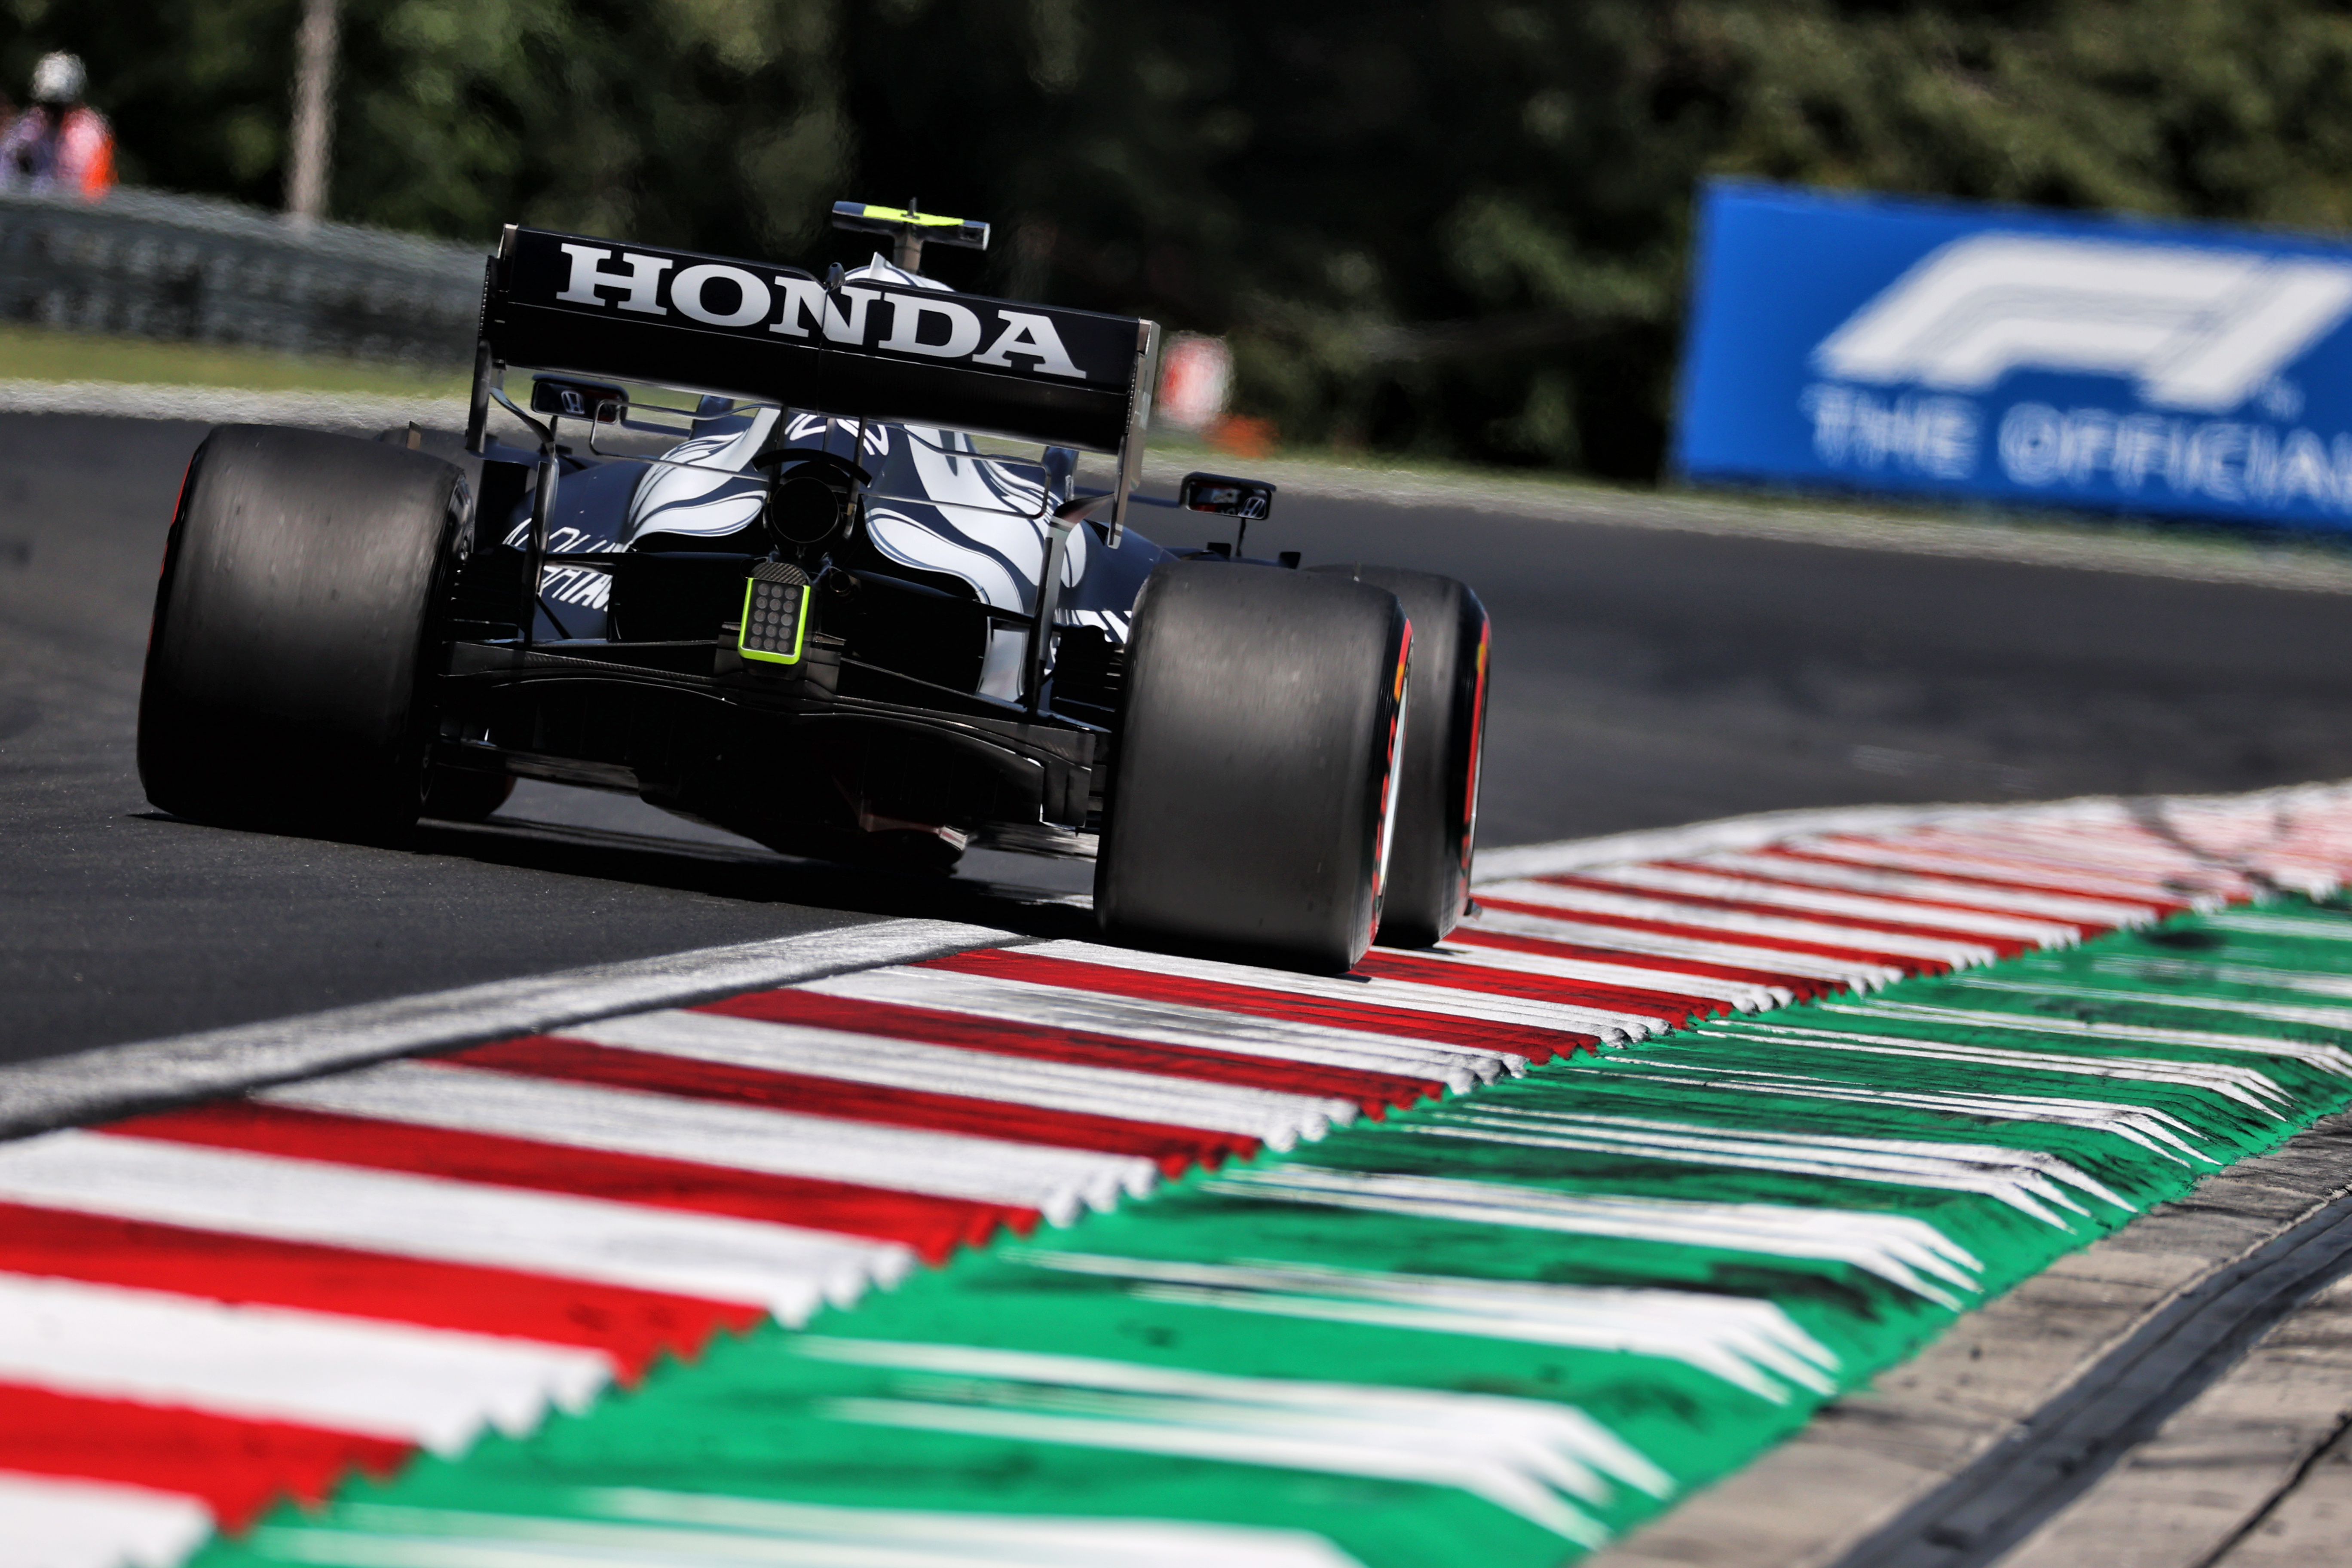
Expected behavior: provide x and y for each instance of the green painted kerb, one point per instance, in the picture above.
(1490, 1332)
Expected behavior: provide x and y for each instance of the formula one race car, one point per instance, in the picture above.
(805, 602)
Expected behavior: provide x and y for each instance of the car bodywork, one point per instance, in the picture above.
(937, 664)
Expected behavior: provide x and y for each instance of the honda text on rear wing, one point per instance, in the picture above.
(851, 350)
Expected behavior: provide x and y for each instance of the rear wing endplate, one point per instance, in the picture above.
(859, 350)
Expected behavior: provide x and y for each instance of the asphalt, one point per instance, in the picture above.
(1642, 678)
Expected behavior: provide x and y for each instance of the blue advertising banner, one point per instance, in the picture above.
(2021, 356)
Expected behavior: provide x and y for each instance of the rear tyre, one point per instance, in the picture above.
(285, 662)
(1249, 800)
(1437, 772)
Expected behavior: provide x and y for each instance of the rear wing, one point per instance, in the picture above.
(863, 350)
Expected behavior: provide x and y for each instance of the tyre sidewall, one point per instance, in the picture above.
(285, 669)
(1252, 776)
(1428, 883)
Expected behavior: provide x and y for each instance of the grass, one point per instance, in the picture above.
(41, 353)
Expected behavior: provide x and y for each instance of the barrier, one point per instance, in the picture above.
(143, 264)
(2019, 356)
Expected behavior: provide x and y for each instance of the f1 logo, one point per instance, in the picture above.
(2196, 329)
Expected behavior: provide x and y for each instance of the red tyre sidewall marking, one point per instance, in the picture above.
(1477, 754)
(171, 544)
(1387, 819)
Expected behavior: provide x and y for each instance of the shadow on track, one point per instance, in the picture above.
(747, 875)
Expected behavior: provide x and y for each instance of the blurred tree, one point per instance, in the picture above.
(1453, 230)
(712, 122)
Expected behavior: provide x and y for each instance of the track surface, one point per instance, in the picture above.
(1642, 678)
(1664, 1211)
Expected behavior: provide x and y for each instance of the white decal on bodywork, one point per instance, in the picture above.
(683, 494)
(874, 439)
(987, 527)
(582, 586)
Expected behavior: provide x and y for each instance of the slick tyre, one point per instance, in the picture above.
(1437, 770)
(1249, 800)
(284, 667)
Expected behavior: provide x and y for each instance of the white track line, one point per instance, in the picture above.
(90, 1085)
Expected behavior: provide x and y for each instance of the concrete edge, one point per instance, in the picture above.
(1866, 1459)
(2256, 1436)
(112, 1081)
(2305, 568)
